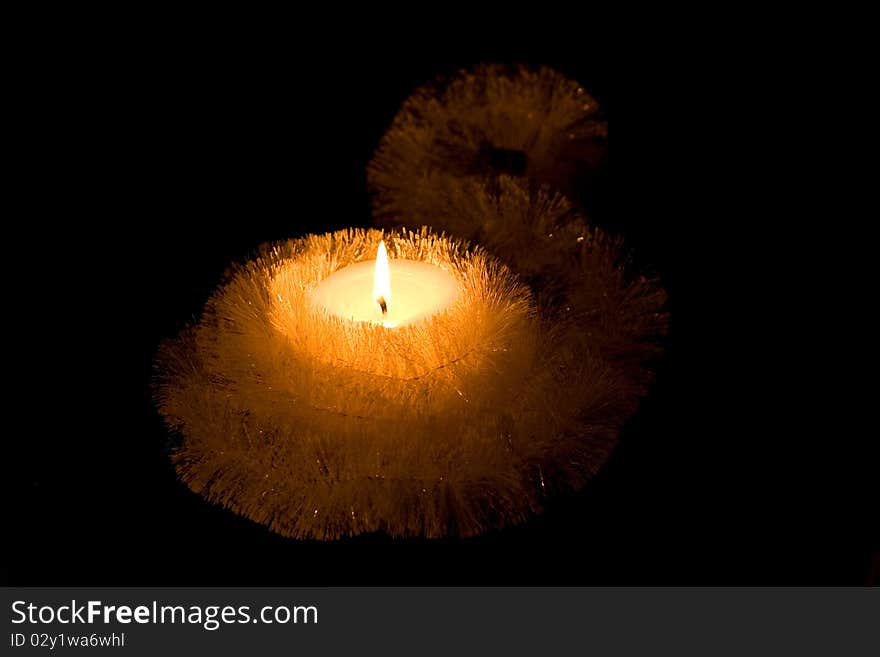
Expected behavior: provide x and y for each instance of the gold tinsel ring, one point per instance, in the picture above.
(484, 122)
(320, 427)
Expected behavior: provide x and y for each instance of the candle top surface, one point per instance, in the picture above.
(418, 290)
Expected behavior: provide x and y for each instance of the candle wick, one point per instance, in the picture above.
(382, 304)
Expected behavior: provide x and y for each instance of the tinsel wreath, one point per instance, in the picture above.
(490, 120)
(321, 428)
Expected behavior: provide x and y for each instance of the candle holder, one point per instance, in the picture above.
(491, 120)
(320, 427)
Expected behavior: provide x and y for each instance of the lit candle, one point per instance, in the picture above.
(392, 293)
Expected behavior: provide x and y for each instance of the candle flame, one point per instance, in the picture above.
(382, 279)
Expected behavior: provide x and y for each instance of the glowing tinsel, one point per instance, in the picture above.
(320, 428)
(490, 120)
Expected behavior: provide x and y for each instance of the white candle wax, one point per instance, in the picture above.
(417, 291)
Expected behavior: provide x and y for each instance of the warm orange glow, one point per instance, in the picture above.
(382, 279)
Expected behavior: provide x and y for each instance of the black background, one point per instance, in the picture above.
(158, 164)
